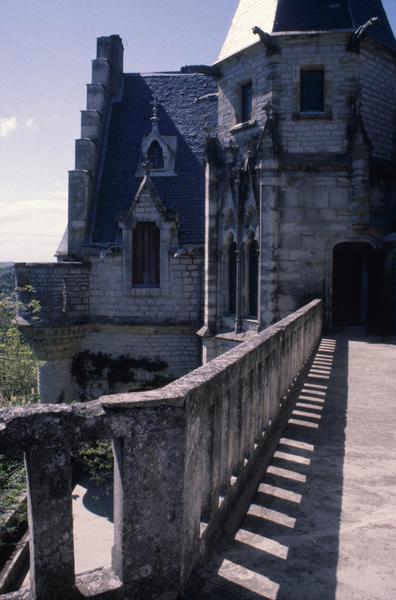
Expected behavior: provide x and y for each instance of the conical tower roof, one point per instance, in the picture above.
(278, 16)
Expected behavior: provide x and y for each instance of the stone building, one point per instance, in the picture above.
(295, 125)
(301, 177)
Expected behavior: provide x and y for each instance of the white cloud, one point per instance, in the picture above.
(31, 124)
(31, 231)
(7, 126)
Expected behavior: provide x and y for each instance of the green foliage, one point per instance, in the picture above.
(88, 368)
(18, 381)
(12, 485)
(18, 367)
(96, 460)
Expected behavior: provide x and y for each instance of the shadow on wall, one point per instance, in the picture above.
(287, 545)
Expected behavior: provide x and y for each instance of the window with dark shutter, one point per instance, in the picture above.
(232, 278)
(155, 156)
(146, 255)
(312, 91)
(253, 278)
(246, 102)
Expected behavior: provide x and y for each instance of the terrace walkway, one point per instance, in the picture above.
(323, 524)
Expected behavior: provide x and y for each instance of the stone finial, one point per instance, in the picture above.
(155, 118)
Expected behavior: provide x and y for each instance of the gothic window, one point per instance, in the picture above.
(146, 255)
(155, 156)
(312, 91)
(246, 102)
(253, 258)
(232, 288)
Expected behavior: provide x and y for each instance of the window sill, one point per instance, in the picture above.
(143, 292)
(309, 116)
(243, 126)
(156, 173)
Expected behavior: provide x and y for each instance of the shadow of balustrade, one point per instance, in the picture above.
(287, 544)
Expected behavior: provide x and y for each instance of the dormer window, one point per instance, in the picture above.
(158, 152)
(155, 156)
(246, 102)
(312, 91)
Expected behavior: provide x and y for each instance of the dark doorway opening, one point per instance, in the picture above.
(358, 284)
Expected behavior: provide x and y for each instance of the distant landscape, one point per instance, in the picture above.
(7, 275)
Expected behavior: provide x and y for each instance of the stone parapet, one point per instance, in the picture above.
(60, 291)
(185, 456)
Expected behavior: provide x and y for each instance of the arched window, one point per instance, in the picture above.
(253, 278)
(232, 288)
(155, 156)
(146, 255)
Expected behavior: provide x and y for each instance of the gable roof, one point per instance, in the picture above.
(180, 115)
(281, 16)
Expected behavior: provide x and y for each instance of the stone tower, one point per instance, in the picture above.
(300, 194)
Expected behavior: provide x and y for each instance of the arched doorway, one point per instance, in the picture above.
(358, 283)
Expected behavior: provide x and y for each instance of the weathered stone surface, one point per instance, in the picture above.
(166, 443)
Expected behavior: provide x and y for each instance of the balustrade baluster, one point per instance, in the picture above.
(207, 437)
(50, 522)
(218, 437)
(235, 428)
(247, 416)
(276, 379)
(258, 394)
(251, 415)
(225, 473)
(156, 511)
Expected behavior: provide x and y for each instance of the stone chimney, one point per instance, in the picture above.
(107, 70)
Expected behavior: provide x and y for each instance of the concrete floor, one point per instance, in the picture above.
(92, 527)
(323, 523)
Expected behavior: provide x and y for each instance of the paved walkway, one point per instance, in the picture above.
(93, 527)
(323, 523)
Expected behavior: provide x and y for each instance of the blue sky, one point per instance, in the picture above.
(46, 48)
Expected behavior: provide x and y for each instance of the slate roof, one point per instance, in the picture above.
(279, 16)
(180, 115)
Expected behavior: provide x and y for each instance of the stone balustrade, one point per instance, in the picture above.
(183, 456)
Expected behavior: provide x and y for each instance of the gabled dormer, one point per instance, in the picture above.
(149, 233)
(158, 151)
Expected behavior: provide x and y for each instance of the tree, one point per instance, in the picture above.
(18, 367)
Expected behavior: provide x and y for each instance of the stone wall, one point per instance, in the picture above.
(114, 320)
(111, 301)
(61, 290)
(304, 134)
(314, 213)
(378, 84)
(150, 357)
(250, 65)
